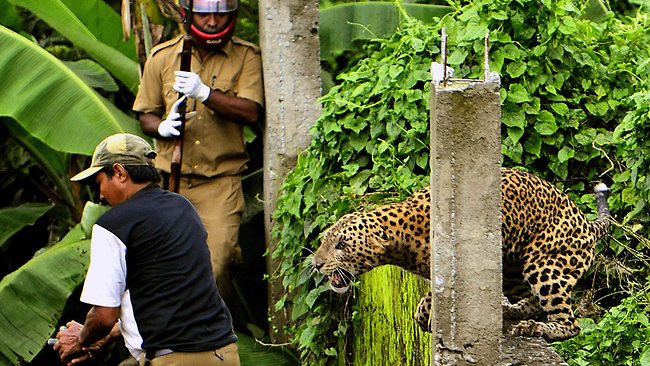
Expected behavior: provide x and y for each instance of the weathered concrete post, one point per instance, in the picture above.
(466, 222)
(290, 55)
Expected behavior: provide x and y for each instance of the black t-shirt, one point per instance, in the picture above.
(169, 283)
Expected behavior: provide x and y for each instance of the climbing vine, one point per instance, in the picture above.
(572, 99)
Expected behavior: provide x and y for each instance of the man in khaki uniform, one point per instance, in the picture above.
(225, 92)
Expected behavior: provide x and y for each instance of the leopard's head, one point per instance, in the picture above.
(352, 246)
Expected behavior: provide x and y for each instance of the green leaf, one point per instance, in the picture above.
(457, 57)
(517, 93)
(38, 291)
(313, 295)
(595, 11)
(565, 154)
(393, 129)
(9, 16)
(568, 26)
(298, 309)
(91, 213)
(512, 52)
(93, 74)
(644, 360)
(54, 163)
(12, 219)
(545, 124)
(533, 145)
(252, 352)
(95, 27)
(512, 151)
(55, 106)
(598, 109)
(516, 69)
(560, 108)
(515, 134)
(357, 182)
(514, 119)
(475, 31)
(343, 25)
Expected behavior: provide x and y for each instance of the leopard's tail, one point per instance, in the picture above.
(601, 225)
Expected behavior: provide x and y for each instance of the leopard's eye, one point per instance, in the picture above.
(340, 245)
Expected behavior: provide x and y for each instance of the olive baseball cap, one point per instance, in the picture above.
(122, 148)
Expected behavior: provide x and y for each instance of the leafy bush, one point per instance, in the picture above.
(621, 338)
(567, 83)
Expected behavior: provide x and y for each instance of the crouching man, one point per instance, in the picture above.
(149, 278)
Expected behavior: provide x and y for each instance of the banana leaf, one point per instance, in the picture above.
(253, 353)
(12, 219)
(50, 102)
(342, 25)
(93, 74)
(54, 163)
(9, 15)
(33, 297)
(93, 26)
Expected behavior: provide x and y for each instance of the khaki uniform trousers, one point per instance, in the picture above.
(224, 356)
(220, 204)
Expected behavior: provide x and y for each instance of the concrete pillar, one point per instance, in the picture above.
(290, 56)
(466, 222)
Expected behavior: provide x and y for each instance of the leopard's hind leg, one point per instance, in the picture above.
(551, 283)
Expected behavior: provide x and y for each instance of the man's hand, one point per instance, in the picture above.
(190, 84)
(68, 346)
(67, 343)
(168, 126)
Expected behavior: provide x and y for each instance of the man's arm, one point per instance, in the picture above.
(99, 323)
(149, 123)
(233, 108)
(236, 109)
(99, 327)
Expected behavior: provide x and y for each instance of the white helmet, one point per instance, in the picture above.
(202, 36)
(211, 6)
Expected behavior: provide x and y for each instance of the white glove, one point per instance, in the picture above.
(190, 84)
(168, 127)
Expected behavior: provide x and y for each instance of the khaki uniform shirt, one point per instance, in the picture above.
(213, 146)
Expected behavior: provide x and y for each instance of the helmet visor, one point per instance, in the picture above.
(211, 6)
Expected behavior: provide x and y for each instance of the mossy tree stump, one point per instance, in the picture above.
(384, 330)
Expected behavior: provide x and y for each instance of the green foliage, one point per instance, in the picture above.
(247, 21)
(621, 338)
(13, 219)
(567, 83)
(632, 140)
(61, 106)
(345, 28)
(371, 137)
(344, 24)
(94, 27)
(37, 293)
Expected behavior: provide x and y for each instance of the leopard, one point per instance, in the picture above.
(547, 245)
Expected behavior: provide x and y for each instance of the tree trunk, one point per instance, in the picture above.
(386, 333)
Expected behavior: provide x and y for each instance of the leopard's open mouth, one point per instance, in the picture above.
(340, 280)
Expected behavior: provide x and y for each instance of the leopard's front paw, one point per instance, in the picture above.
(423, 313)
(528, 328)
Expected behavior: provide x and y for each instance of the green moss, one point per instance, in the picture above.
(385, 333)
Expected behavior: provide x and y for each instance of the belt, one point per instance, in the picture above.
(150, 355)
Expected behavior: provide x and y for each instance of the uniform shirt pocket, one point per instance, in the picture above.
(226, 86)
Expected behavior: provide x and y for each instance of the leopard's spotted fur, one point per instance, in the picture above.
(547, 246)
